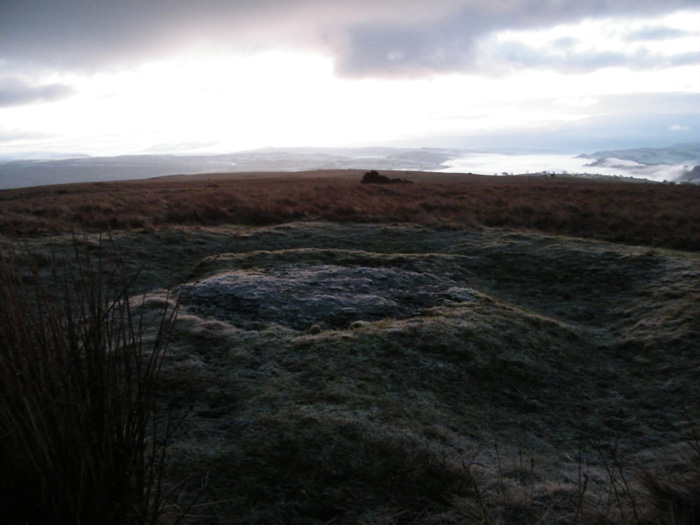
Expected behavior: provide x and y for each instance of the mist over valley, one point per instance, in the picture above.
(672, 164)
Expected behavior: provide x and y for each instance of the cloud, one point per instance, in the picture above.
(382, 37)
(382, 51)
(15, 92)
(13, 135)
(565, 42)
(576, 102)
(568, 58)
(450, 43)
(679, 127)
(617, 122)
(179, 147)
(656, 32)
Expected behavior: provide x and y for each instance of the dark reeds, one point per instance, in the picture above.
(78, 433)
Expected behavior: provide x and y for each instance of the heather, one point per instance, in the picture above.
(633, 213)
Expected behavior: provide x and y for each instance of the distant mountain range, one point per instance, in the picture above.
(36, 169)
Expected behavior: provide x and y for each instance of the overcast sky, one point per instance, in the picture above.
(199, 76)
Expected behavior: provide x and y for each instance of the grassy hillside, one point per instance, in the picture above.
(649, 214)
(426, 353)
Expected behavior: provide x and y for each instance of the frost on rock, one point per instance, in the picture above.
(326, 295)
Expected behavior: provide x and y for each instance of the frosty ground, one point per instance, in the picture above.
(395, 373)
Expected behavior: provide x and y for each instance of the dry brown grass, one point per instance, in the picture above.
(647, 214)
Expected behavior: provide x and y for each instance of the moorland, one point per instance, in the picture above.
(463, 349)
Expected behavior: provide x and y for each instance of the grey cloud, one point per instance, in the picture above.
(519, 54)
(565, 42)
(685, 59)
(12, 135)
(15, 92)
(448, 42)
(656, 32)
(380, 51)
(178, 147)
(382, 37)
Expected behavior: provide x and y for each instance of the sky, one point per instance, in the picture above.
(110, 77)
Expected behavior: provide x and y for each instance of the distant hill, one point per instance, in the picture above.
(692, 175)
(39, 170)
(683, 154)
(674, 163)
(39, 156)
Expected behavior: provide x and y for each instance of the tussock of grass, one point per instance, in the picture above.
(674, 501)
(79, 441)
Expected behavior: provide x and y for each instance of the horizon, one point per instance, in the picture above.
(136, 78)
(506, 151)
(669, 164)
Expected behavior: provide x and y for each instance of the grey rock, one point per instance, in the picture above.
(326, 295)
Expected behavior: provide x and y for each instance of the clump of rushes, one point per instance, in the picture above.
(674, 502)
(79, 440)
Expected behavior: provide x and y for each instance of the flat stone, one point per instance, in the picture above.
(325, 295)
